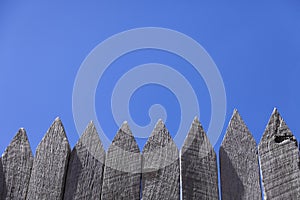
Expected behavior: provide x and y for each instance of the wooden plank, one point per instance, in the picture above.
(50, 165)
(122, 172)
(160, 172)
(279, 160)
(86, 165)
(239, 167)
(199, 172)
(16, 167)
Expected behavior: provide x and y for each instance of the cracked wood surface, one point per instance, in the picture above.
(279, 160)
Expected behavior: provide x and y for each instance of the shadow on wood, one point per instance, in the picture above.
(279, 160)
(199, 172)
(234, 185)
(50, 164)
(239, 162)
(122, 172)
(3, 189)
(160, 166)
(85, 169)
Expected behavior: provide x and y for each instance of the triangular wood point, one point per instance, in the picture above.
(279, 160)
(125, 128)
(160, 165)
(17, 163)
(198, 165)
(160, 124)
(236, 173)
(196, 119)
(85, 167)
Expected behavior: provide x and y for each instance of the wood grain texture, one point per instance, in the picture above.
(86, 165)
(122, 172)
(199, 172)
(16, 167)
(2, 186)
(160, 172)
(279, 160)
(50, 165)
(239, 167)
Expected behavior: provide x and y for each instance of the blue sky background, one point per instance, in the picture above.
(255, 45)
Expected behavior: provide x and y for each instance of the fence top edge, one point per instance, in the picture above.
(236, 128)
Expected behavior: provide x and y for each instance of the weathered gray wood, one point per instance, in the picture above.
(239, 167)
(160, 172)
(279, 160)
(199, 172)
(86, 165)
(50, 165)
(2, 186)
(122, 172)
(16, 166)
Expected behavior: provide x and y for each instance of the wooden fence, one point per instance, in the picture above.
(160, 171)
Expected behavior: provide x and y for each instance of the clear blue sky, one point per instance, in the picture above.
(256, 47)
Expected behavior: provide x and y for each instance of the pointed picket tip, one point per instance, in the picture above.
(277, 129)
(199, 173)
(160, 166)
(125, 128)
(236, 127)
(125, 140)
(279, 160)
(17, 162)
(196, 136)
(159, 125)
(197, 130)
(56, 132)
(196, 120)
(239, 162)
(91, 142)
(90, 131)
(160, 149)
(122, 170)
(85, 167)
(19, 139)
(275, 110)
(50, 164)
(160, 137)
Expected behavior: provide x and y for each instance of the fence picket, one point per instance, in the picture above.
(50, 165)
(86, 165)
(122, 171)
(16, 167)
(199, 172)
(239, 167)
(279, 160)
(160, 172)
